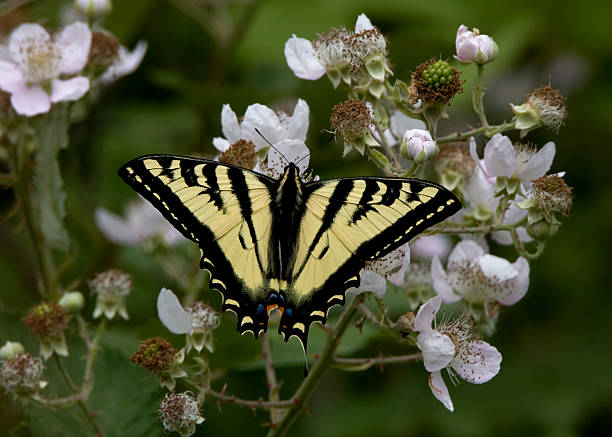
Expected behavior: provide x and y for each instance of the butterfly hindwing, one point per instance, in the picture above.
(226, 210)
(347, 222)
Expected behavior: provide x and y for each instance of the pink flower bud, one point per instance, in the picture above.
(473, 47)
(418, 145)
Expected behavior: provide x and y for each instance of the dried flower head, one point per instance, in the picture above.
(435, 81)
(21, 374)
(47, 319)
(204, 319)
(111, 287)
(331, 48)
(158, 356)
(104, 51)
(454, 165)
(351, 119)
(180, 412)
(552, 194)
(155, 355)
(544, 106)
(241, 153)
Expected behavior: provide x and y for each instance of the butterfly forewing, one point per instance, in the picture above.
(226, 210)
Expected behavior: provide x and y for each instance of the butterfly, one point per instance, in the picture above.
(283, 243)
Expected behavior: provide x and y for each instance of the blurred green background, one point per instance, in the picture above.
(556, 343)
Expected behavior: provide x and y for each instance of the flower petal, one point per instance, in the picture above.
(265, 120)
(466, 250)
(441, 283)
(74, 43)
(496, 268)
(400, 123)
(426, 314)
(499, 156)
(437, 348)
(428, 246)
(398, 277)
(478, 363)
(115, 229)
(11, 77)
(71, 89)
(297, 124)
(30, 101)
(302, 60)
(439, 390)
(229, 125)
(540, 163)
(221, 144)
(171, 313)
(370, 282)
(127, 62)
(287, 151)
(25, 37)
(363, 23)
(520, 283)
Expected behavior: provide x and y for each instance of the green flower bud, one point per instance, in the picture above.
(9, 349)
(72, 301)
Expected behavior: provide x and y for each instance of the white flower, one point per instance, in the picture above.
(375, 274)
(418, 145)
(473, 47)
(142, 223)
(479, 277)
(281, 154)
(335, 50)
(501, 158)
(452, 346)
(37, 62)
(274, 127)
(127, 62)
(427, 246)
(197, 320)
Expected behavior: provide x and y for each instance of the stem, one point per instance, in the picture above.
(43, 255)
(485, 229)
(273, 385)
(312, 380)
(259, 403)
(376, 158)
(385, 145)
(365, 312)
(522, 250)
(79, 395)
(88, 379)
(478, 95)
(366, 363)
(484, 130)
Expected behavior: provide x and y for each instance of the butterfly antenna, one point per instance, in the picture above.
(270, 144)
(319, 147)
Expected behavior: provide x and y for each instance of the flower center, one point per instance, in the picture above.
(40, 62)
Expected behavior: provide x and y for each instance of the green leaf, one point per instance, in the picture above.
(49, 197)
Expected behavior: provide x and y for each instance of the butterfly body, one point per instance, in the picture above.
(283, 243)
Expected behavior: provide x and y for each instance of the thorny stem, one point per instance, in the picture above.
(43, 255)
(317, 371)
(478, 95)
(80, 397)
(384, 166)
(484, 229)
(259, 403)
(273, 385)
(369, 315)
(488, 131)
(366, 363)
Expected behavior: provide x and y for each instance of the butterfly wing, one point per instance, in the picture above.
(347, 222)
(226, 210)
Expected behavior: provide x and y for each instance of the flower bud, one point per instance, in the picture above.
(10, 348)
(73, 301)
(179, 412)
(544, 106)
(473, 47)
(94, 8)
(418, 146)
(541, 229)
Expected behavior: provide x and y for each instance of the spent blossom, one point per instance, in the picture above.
(179, 412)
(21, 373)
(197, 320)
(47, 322)
(37, 60)
(452, 346)
(473, 47)
(111, 288)
(158, 357)
(390, 267)
(544, 106)
(479, 278)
